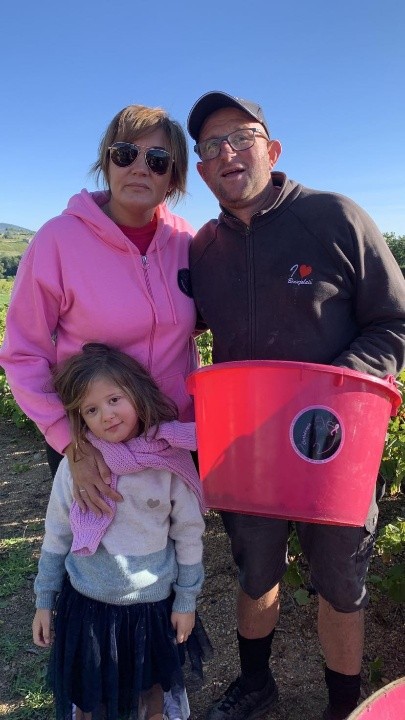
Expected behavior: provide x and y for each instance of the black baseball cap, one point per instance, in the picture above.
(215, 100)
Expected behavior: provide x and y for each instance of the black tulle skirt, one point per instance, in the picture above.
(104, 657)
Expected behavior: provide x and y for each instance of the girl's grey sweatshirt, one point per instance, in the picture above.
(153, 545)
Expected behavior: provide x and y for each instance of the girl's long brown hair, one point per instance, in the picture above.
(72, 378)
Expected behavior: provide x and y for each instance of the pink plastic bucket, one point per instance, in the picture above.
(385, 704)
(291, 440)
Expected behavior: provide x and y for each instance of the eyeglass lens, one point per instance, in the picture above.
(238, 140)
(124, 154)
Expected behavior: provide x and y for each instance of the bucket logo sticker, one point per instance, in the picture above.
(299, 275)
(316, 434)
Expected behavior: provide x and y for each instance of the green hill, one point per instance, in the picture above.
(13, 240)
(13, 248)
(9, 229)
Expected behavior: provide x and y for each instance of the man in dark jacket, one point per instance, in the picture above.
(290, 273)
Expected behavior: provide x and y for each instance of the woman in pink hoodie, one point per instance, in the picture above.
(112, 268)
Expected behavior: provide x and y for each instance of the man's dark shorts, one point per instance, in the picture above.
(338, 556)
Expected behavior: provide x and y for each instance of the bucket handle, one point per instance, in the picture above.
(338, 377)
(396, 400)
(389, 379)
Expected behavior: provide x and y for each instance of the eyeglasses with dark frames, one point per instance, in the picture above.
(241, 139)
(124, 154)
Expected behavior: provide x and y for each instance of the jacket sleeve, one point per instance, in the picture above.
(28, 351)
(186, 529)
(379, 304)
(57, 540)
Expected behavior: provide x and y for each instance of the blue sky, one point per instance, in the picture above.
(330, 77)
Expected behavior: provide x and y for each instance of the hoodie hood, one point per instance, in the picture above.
(87, 207)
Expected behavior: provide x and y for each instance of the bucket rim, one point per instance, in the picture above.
(388, 383)
(383, 692)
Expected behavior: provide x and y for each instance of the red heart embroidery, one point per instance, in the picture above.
(305, 270)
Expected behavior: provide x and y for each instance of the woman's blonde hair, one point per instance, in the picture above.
(132, 123)
(72, 378)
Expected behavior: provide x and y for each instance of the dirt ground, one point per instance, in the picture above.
(297, 662)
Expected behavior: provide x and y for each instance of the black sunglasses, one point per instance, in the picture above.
(124, 154)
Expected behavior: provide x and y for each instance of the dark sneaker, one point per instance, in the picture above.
(238, 704)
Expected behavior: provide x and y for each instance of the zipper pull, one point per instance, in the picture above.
(144, 261)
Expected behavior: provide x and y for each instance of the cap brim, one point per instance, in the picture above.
(205, 106)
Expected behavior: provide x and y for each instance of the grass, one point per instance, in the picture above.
(14, 247)
(8, 645)
(16, 563)
(29, 698)
(36, 702)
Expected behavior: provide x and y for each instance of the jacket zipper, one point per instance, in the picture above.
(145, 266)
(250, 285)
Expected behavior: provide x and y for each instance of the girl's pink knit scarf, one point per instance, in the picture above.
(168, 450)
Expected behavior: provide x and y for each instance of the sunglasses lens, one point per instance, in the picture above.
(123, 154)
(158, 160)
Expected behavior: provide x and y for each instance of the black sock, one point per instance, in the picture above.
(254, 660)
(344, 690)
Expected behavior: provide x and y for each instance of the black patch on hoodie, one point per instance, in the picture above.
(184, 282)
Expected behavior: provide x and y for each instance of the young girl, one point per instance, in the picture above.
(126, 582)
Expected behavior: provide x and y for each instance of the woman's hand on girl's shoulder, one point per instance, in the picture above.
(91, 478)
